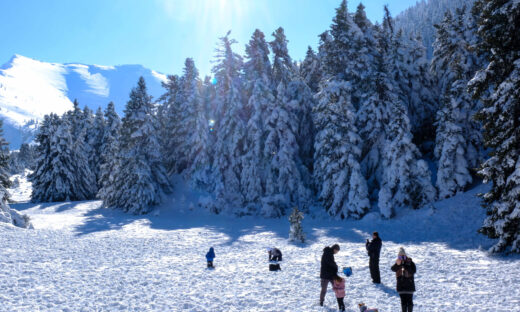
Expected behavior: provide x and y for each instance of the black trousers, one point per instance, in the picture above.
(341, 304)
(374, 270)
(210, 264)
(406, 302)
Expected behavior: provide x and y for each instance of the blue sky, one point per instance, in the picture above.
(160, 34)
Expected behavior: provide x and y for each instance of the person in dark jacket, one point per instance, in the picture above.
(275, 255)
(329, 269)
(210, 255)
(405, 269)
(374, 249)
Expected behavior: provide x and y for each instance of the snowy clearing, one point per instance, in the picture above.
(81, 257)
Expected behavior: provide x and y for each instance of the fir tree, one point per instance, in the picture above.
(258, 80)
(499, 28)
(80, 127)
(230, 127)
(405, 180)
(140, 178)
(310, 70)
(344, 56)
(296, 231)
(418, 92)
(108, 152)
(5, 182)
(341, 185)
(284, 181)
(61, 173)
(168, 118)
(458, 142)
(194, 144)
(95, 140)
(453, 169)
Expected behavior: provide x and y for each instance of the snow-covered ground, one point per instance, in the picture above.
(81, 257)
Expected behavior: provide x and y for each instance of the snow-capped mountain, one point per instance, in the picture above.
(30, 89)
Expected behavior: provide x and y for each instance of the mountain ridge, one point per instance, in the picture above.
(30, 89)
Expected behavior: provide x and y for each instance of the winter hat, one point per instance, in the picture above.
(401, 252)
(335, 247)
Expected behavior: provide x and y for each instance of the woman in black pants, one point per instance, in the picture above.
(404, 269)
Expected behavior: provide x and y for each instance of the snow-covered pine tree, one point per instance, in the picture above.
(259, 87)
(22, 159)
(61, 173)
(453, 169)
(5, 182)
(301, 100)
(7, 214)
(310, 70)
(413, 84)
(194, 144)
(406, 179)
(285, 184)
(41, 178)
(366, 55)
(422, 97)
(458, 144)
(208, 94)
(108, 153)
(95, 140)
(499, 28)
(230, 127)
(345, 57)
(295, 230)
(371, 114)
(341, 186)
(140, 178)
(80, 125)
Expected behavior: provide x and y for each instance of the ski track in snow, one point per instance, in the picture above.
(81, 257)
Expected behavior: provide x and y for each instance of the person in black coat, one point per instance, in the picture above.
(275, 255)
(329, 269)
(374, 249)
(405, 269)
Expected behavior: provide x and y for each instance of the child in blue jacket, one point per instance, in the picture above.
(210, 255)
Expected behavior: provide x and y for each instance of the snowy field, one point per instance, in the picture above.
(81, 257)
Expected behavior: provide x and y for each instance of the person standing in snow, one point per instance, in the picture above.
(329, 269)
(338, 285)
(210, 255)
(374, 249)
(404, 269)
(275, 255)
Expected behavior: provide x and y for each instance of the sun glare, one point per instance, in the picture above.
(209, 20)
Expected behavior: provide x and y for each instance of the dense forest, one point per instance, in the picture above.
(371, 121)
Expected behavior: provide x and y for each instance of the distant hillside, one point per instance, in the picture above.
(29, 89)
(420, 18)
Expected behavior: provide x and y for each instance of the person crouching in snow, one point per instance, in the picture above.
(338, 285)
(275, 255)
(364, 308)
(404, 269)
(210, 255)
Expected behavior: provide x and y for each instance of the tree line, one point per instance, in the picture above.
(359, 124)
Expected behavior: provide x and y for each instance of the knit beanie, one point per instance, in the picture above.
(401, 252)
